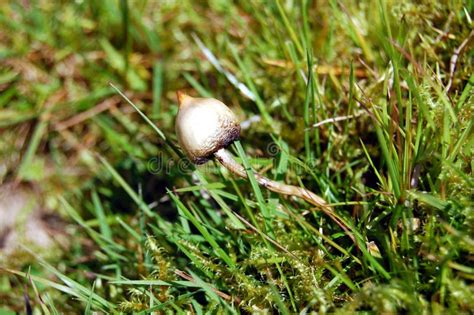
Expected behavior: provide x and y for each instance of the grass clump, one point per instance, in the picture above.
(367, 103)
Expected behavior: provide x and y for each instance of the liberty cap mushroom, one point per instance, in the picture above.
(206, 127)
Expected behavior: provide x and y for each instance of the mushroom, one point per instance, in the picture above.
(206, 127)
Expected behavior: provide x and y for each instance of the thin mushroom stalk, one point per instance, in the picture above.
(206, 127)
(228, 161)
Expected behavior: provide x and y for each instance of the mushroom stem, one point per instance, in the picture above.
(228, 161)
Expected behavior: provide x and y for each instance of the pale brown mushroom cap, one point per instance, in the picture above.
(204, 126)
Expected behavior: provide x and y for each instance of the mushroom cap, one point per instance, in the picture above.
(204, 126)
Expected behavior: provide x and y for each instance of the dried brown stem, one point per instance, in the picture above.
(226, 159)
